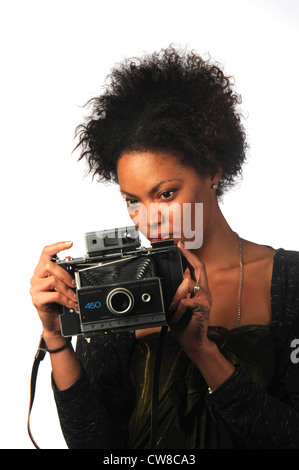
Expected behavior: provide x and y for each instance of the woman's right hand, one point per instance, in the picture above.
(52, 285)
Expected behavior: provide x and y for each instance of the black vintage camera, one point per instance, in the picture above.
(121, 285)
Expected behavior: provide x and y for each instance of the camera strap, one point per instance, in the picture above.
(155, 389)
(40, 354)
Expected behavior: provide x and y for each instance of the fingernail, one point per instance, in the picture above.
(73, 282)
(68, 243)
(181, 244)
(171, 306)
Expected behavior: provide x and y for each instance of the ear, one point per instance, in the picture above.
(215, 178)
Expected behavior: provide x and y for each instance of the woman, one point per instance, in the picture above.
(167, 130)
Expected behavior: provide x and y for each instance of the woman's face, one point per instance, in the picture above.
(165, 198)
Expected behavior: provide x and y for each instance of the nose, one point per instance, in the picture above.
(154, 218)
(147, 217)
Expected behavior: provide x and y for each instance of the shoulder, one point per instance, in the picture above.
(257, 256)
(285, 293)
(279, 271)
(286, 274)
(287, 259)
(285, 281)
(283, 264)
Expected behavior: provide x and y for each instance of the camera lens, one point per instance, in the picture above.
(120, 301)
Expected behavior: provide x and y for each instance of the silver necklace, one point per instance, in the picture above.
(241, 279)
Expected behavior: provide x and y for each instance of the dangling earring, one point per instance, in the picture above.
(215, 186)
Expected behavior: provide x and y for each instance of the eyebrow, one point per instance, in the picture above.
(154, 189)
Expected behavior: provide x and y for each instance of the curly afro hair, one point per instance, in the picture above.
(170, 101)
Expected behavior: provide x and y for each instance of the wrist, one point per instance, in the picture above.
(205, 350)
(53, 339)
(215, 368)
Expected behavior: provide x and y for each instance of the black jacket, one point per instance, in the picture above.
(95, 411)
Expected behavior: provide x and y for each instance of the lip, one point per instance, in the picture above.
(161, 237)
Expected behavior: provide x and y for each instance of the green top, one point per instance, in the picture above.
(186, 416)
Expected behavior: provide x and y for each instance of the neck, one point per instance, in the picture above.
(220, 244)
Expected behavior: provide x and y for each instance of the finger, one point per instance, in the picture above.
(50, 291)
(201, 303)
(52, 269)
(52, 283)
(51, 250)
(185, 288)
(179, 312)
(46, 267)
(198, 271)
(44, 299)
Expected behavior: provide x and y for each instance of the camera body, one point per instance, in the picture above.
(120, 284)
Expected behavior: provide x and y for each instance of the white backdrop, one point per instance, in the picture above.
(55, 55)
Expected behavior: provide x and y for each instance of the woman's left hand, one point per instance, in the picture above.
(191, 307)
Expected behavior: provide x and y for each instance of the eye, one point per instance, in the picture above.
(167, 194)
(131, 202)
